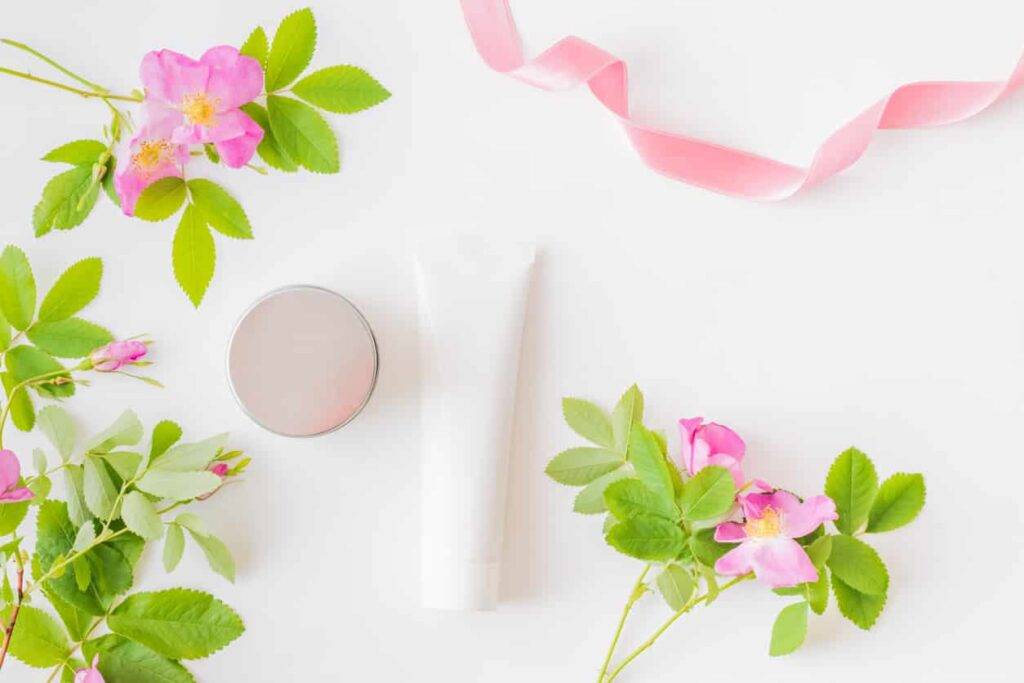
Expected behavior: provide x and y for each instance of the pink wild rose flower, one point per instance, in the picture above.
(203, 98)
(116, 355)
(90, 675)
(149, 156)
(10, 475)
(705, 444)
(766, 544)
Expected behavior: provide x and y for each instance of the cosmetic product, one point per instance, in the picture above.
(302, 361)
(472, 302)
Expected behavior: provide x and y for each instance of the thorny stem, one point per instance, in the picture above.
(634, 595)
(62, 86)
(668, 622)
(9, 628)
(59, 67)
(19, 387)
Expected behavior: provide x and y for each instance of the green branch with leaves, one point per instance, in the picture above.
(117, 499)
(701, 521)
(286, 112)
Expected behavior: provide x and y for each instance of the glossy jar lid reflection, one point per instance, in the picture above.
(302, 361)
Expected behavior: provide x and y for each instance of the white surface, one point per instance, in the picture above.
(882, 309)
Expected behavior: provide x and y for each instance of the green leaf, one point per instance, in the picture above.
(77, 152)
(126, 430)
(303, 134)
(5, 333)
(58, 427)
(292, 49)
(676, 586)
(165, 434)
(630, 497)
(73, 290)
(269, 149)
(789, 630)
(39, 460)
(23, 413)
(341, 89)
(174, 546)
(256, 46)
(40, 487)
(161, 200)
(83, 573)
(851, 483)
(139, 515)
(217, 554)
(108, 182)
(646, 537)
(817, 592)
(819, 551)
(712, 583)
(898, 502)
(192, 522)
(580, 466)
(220, 209)
(858, 565)
(100, 492)
(589, 421)
(74, 491)
(211, 153)
(58, 207)
(709, 494)
(860, 608)
(109, 566)
(193, 255)
(71, 338)
(628, 411)
(17, 288)
(39, 639)
(178, 485)
(124, 463)
(75, 620)
(649, 463)
(27, 362)
(590, 501)
(177, 623)
(11, 515)
(191, 457)
(85, 537)
(124, 661)
(706, 549)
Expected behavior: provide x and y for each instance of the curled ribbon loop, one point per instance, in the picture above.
(573, 61)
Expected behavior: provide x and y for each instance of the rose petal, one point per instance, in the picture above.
(10, 469)
(781, 563)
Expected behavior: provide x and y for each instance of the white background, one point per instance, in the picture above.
(882, 309)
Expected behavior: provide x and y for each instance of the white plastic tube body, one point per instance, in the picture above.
(472, 302)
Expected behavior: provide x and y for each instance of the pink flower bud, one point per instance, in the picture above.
(116, 355)
(90, 675)
(220, 469)
(10, 474)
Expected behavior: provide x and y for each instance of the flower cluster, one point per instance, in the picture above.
(187, 103)
(770, 518)
(700, 519)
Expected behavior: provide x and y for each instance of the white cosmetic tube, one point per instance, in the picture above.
(472, 302)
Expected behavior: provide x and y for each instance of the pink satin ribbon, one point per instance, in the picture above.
(572, 61)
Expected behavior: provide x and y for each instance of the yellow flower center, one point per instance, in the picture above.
(768, 526)
(199, 109)
(151, 154)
